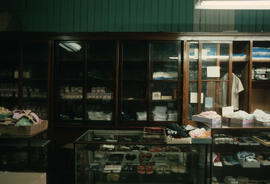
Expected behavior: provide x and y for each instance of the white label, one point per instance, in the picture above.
(213, 71)
(194, 97)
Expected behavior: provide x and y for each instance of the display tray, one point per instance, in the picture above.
(23, 131)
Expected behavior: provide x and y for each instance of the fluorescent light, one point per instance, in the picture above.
(70, 46)
(233, 4)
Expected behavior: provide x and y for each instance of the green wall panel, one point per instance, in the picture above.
(252, 20)
(103, 15)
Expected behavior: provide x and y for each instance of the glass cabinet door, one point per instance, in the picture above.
(240, 70)
(260, 76)
(193, 56)
(215, 68)
(69, 79)
(35, 77)
(100, 85)
(134, 81)
(9, 74)
(165, 85)
(208, 75)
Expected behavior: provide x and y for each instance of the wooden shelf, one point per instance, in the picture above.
(261, 61)
(135, 99)
(164, 80)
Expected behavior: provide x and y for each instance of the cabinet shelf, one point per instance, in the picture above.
(261, 61)
(164, 100)
(135, 99)
(164, 80)
(228, 148)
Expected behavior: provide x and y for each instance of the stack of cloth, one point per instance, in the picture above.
(160, 113)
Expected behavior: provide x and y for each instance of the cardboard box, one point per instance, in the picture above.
(171, 140)
(233, 122)
(22, 178)
(11, 130)
(214, 123)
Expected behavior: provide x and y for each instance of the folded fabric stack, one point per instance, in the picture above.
(262, 73)
(240, 115)
(160, 113)
(99, 115)
(260, 53)
(141, 116)
(261, 116)
(172, 115)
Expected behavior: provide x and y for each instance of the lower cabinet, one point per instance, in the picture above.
(241, 155)
(116, 156)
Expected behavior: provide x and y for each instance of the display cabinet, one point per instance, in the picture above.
(220, 72)
(34, 77)
(207, 72)
(150, 75)
(9, 74)
(84, 81)
(134, 81)
(260, 75)
(240, 155)
(127, 156)
(24, 76)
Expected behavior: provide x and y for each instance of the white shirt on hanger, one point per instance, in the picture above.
(237, 87)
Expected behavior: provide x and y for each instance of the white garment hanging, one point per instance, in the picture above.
(237, 87)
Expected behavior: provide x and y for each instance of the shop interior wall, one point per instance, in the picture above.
(130, 16)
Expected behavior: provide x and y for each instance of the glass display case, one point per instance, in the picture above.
(127, 156)
(241, 155)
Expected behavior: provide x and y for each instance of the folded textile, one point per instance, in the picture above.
(240, 115)
(261, 116)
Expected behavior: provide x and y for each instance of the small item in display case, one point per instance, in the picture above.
(156, 95)
(107, 147)
(263, 139)
(112, 168)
